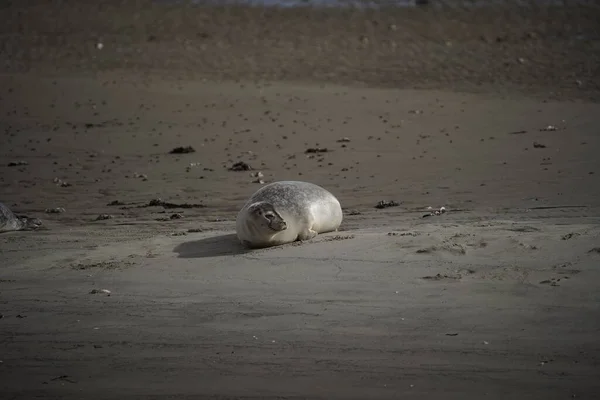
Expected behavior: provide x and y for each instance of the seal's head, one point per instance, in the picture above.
(264, 215)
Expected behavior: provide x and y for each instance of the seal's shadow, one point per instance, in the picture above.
(215, 246)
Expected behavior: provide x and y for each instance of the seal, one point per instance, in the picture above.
(11, 222)
(287, 211)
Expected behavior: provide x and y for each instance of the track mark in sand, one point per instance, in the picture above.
(524, 229)
(479, 244)
(108, 265)
(440, 278)
(297, 243)
(456, 276)
(408, 233)
(594, 250)
(569, 236)
(551, 282)
(62, 378)
(563, 269)
(506, 273)
(456, 249)
(337, 238)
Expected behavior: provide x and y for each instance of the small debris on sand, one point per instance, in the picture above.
(549, 128)
(313, 150)
(258, 175)
(143, 177)
(166, 204)
(100, 291)
(537, 145)
(569, 236)
(240, 166)
(116, 203)
(103, 217)
(61, 183)
(386, 204)
(343, 140)
(432, 212)
(183, 150)
(17, 163)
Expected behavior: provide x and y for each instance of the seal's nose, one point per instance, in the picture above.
(283, 225)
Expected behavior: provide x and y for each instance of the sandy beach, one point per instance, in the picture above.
(136, 287)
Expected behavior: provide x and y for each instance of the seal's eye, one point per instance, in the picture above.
(269, 215)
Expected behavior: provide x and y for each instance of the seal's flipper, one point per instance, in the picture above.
(307, 234)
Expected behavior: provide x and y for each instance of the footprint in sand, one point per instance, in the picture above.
(564, 271)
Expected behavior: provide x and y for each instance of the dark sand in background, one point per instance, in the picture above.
(496, 299)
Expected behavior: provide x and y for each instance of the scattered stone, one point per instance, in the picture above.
(343, 140)
(103, 217)
(182, 233)
(195, 230)
(100, 291)
(440, 211)
(183, 150)
(240, 166)
(17, 163)
(537, 145)
(257, 174)
(415, 111)
(116, 203)
(549, 128)
(353, 212)
(176, 216)
(56, 210)
(61, 183)
(517, 132)
(595, 250)
(144, 177)
(313, 150)
(386, 204)
(11, 222)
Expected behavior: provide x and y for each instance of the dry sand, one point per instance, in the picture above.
(497, 298)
